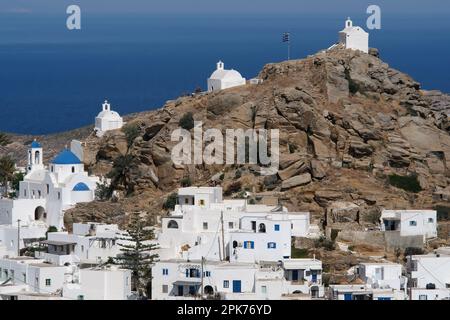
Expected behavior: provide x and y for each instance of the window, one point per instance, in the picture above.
(202, 202)
(80, 297)
(82, 248)
(165, 288)
(48, 282)
(226, 284)
(48, 188)
(230, 225)
(205, 225)
(249, 245)
(172, 224)
(271, 245)
(423, 297)
(430, 220)
(59, 195)
(413, 223)
(235, 244)
(186, 201)
(262, 227)
(264, 289)
(277, 227)
(73, 169)
(165, 272)
(207, 274)
(24, 276)
(39, 194)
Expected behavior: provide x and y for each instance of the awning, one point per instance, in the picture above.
(187, 283)
(57, 243)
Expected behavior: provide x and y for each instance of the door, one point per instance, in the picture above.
(236, 286)
(180, 291)
(314, 277)
(294, 275)
(348, 296)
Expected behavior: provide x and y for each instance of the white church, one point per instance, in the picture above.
(107, 120)
(354, 37)
(224, 79)
(45, 193)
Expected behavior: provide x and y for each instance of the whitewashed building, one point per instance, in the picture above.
(429, 275)
(224, 79)
(363, 292)
(410, 222)
(89, 243)
(101, 283)
(37, 275)
(107, 120)
(353, 37)
(45, 193)
(245, 249)
(382, 275)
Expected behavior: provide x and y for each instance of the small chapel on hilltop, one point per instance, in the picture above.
(107, 120)
(354, 37)
(224, 79)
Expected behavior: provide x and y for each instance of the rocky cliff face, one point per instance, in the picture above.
(349, 126)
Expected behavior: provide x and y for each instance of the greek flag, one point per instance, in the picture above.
(286, 37)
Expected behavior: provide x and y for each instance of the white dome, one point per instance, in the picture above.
(109, 115)
(226, 75)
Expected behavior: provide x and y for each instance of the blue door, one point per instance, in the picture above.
(348, 296)
(237, 286)
(314, 277)
(294, 275)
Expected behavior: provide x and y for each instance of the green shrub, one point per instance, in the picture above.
(170, 202)
(131, 133)
(299, 253)
(187, 121)
(443, 213)
(186, 182)
(325, 243)
(407, 183)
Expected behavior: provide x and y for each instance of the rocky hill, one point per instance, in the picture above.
(356, 136)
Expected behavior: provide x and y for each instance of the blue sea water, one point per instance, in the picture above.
(53, 80)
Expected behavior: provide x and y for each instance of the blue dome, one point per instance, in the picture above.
(35, 144)
(81, 187)
(66, 157)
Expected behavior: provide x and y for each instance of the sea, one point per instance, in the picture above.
(54, 80)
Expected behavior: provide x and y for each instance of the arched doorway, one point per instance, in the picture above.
(40, 214)
(262, 228)
(209, 290)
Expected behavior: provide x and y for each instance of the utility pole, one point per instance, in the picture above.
(202, 271)
(223, 236)
(18, 237)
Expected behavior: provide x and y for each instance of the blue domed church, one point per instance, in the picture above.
(48, 191)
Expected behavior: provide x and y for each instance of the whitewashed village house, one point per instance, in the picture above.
(381, 281)
(429, 275)
(224, 79)
(409, 223)
(107, 120)
(353, 37)
(235, 249)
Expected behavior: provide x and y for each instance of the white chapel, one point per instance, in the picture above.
(107, 120)
(353, 37)
(223, 79)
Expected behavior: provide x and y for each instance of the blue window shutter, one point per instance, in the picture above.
(252, 245)
(187, 273)
(277, 227)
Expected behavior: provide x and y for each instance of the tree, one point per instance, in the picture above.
(131, 133)
(7, 168)
(103, 191)
(4, 139)
(121, 173)
(136, 255)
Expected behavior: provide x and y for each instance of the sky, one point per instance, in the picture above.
(227, 6)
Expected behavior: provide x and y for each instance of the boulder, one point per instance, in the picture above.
(296, 181)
